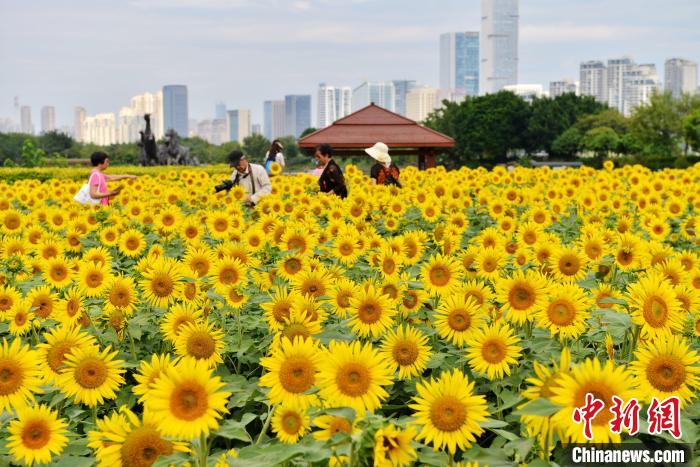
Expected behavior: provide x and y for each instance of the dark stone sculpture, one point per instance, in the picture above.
(168, 153)
(149, 150)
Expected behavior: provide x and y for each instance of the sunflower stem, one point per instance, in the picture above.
(133, 347)
(203, 450)
(266, 425)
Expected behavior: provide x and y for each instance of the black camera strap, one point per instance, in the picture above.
(249, 174)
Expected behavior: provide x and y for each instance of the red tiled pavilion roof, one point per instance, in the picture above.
(363, 128)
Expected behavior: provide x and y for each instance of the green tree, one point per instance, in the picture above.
(691, 131)
(566, 145)
(291, 149)
(31, 155)
(55, 142)
(601, 141)
(255, 146)
(658, 126)
(308, 131)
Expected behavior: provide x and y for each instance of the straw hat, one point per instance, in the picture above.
(379, 152)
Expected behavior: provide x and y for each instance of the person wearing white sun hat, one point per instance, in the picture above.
(384, 172)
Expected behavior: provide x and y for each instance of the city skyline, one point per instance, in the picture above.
(552, 46)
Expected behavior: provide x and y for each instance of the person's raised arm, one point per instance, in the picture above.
(114, 178)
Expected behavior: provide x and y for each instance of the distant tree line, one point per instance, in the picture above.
(497, 128)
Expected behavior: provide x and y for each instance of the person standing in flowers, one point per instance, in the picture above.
(251, 177)
(274, 154)
(98, 179)
(384, 172)
(331, 179)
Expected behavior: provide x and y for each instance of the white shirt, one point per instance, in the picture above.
(258, 178)
(279, 158)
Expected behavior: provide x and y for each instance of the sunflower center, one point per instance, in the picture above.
(132, 243)
(339, 425)
(91, 373)
(447, 413)
(5, 303)
(346, 249)
(143, 446)
(313, 287)
(200, 266)
(72, 307)
(291, 422)
(624, 257)
(388, 266)
(59, 272)
(20, 318)
(188, 401)
(220, 225)
(343, 298)
(292, 265)
(494, 350)
(296, 330)
(369, 312)
(391, 290)
(600, 391)
(439, 275)
(529, 237)
(228, 275)
(56, 355)
(353, 379)
(593, 250)
(162, 285)
(297, 374)
(569, 265)
(405, 352)
(655, 311)
(489, 265)
(190, 291)
(11, 377)
(35, 434)
(666, 373)
(201, 345)
(561, 313)
(44, 306)
(94, 279)
(521, 296)
(459, 319)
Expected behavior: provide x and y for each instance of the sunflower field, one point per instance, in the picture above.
(460, 320)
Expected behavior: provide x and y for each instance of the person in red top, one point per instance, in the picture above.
(384, 172)
(98, 179)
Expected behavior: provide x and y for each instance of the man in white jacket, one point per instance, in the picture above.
(252, 177)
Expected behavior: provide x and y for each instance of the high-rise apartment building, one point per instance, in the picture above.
(100, 129)
(150, 103)
(48, 118)
(401, 89)
(680, 76)
(79, 115)
(128, 126)
(26, 125)
(421, 101)
(640, 82)
(499, 45)
(297, 110)
(238, 125)
(256, 129)
(220, 111)
(332, 103)
(273, 119)
(459, 63)
(175, 109)
(617, 67)
(528, 92)
(594, 80)
(566, 86)
(381, 93)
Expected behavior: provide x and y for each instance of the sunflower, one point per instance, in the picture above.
(411, 301)
(178, 316)
(187, 400)
(594, 246)
(9, 297)
(414, 246)
(330, 425)
(298, 324)
(36, 435)
(132, 243)
(665, 368)
(371, 311)
(70, 309)
(353, 375)
(149, 372)
(290, 422)
(200, 341)
(478, 291)
(489, 263)
(629, 252)
(340, 293)
(162, 283)
(292, 368)
(21, 319)
(122, 439)
(91, 376)
(227, 272)
(56, 271)
(20, 375)
(392, 447)
(447, 412)
(120, 294)
(565, 311)
(278, 308)
(109, 236)
(290, 265)
(492, 350)
(298, 238)
(457, 318)
(654, 307)
(522, 295)
(347, 249)
(98, 255)
(93, 278)
(408, 349)
(389, 262)
(568, 264)
(440, 274)
(604, 382)
(312, 282)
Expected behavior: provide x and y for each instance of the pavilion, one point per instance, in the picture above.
(350, 135)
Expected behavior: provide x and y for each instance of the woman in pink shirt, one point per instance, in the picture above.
(98, 179)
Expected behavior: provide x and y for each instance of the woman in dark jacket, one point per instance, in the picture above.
(384, 172)
(331, 179)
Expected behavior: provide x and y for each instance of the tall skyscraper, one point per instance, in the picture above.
(528, 92)
(594, 80)
(48, 118)
(332, 103)
(150, 103)
(220, 110)
(566, 86)
(680, 76)
(100, 129)
(238, 124)
(297, 110)
(459, 63)
(499, 45)
(256, 129)
(128, 126)
(401, 89)
(617, 67)
(26, 120)
(639, 83)
(421, 101)
(79, 115)
(175, 109)
(273, 119)
(381, 93)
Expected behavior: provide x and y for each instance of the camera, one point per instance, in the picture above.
(225, 185)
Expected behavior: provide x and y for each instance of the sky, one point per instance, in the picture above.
(99, 53)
